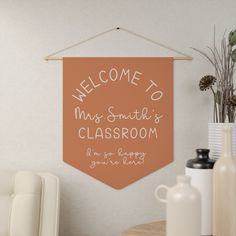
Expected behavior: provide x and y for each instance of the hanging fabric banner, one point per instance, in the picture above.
(118, 116)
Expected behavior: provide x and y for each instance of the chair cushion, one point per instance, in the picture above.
(50, 199)
(6, 182)
(6, 191)
(5, 212)
(20, 204)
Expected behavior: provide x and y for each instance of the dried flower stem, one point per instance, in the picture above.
(223, 62)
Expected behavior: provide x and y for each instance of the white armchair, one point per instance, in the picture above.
(29, 204)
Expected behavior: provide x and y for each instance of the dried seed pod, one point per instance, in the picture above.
(232, 100)
(207, 82)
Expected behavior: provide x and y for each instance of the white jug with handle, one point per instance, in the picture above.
(183, 208)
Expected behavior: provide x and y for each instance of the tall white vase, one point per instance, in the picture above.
(224, 190)
(215, 138)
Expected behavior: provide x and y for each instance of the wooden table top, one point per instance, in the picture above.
(149, 229)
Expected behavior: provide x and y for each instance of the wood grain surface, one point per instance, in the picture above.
(149, 229)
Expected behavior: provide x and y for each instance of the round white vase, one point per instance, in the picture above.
(215, 138)
(183, 208)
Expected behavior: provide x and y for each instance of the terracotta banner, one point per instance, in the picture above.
(118, 116)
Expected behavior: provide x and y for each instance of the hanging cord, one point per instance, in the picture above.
(53, 57)
(185, 56)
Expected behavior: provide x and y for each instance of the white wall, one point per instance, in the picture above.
(31, 94)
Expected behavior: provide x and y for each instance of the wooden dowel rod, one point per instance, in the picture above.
(61, 58)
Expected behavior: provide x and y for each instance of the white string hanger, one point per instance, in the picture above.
(183, 56)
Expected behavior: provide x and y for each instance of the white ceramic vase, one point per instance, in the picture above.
(224, 190)
(215, 138)
(183, 208)
(200, 169)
